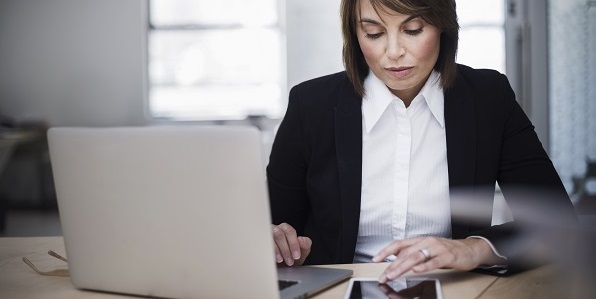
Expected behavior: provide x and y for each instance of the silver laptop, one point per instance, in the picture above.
(171, 211)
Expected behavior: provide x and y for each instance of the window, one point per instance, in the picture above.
(482, 34)
(215, 60)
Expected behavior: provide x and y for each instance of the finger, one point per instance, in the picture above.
(440, 257)
(432, 264)
(400, 266)
(407, 258)
(281, 241)
(305, 246)
(445, 256)
(292, 239)
(446, 253)
(394, 248)
(278, 257)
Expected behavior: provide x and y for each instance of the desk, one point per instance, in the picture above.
(17, 280)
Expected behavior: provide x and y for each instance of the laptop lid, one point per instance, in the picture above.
(167, 211)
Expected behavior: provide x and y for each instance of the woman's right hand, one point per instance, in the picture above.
(289, 247)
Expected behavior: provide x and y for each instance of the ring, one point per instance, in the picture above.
(426, 254)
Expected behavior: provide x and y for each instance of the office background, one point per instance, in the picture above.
(89, 63)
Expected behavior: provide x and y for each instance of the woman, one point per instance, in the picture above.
(366, 162)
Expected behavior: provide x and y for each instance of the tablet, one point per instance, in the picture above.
(410, 287)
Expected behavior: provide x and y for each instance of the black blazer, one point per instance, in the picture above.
(315, 168)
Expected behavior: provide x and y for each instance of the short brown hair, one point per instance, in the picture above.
(439, 13)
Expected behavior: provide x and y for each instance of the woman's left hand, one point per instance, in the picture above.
(429, 253)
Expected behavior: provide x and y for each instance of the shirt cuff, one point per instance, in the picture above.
(494, 251)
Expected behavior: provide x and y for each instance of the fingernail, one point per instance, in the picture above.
(383, 279)
(290, 262)
(279, 258)
(376, 259)
(296, 255)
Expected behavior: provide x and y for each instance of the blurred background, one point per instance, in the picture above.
(145, 62)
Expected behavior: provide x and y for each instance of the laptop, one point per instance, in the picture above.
(171, 211)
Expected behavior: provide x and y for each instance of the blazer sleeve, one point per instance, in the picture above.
(286, 171)
(532, 189)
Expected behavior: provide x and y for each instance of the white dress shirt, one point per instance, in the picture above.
(405, 180)
(405, 183)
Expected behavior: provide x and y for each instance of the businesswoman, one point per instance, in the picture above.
(366, 162)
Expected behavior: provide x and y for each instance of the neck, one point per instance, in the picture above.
(408, 95)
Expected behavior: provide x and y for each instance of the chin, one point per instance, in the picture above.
(398, 87)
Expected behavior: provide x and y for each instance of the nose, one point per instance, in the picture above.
(395, 48)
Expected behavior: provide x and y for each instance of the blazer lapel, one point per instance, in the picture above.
(348, 138)
(460, 126)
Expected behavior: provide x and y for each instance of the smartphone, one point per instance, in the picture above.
(413, 287)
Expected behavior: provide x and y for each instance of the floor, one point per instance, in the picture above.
(31, 223)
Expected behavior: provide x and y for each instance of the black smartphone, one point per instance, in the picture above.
(402, 288)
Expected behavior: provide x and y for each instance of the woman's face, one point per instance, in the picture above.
(401, 50)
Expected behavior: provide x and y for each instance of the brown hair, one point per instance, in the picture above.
(439, 13)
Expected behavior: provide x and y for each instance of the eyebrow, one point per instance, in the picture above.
(375, 22)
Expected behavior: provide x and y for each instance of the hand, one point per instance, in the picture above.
(464, 255)
(288, 246)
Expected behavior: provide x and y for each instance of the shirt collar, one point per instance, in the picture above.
(377, 98)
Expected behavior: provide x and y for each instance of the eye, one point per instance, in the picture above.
(413, 32)
(374, 35)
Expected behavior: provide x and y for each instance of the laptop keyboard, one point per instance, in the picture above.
(285, 284)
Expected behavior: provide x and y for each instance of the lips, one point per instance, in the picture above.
(397, 69)
(399, 72)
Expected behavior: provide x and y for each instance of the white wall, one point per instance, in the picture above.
(82, 63)
(76, 63)
(314, 41)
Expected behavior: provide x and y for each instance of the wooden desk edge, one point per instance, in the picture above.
(19, 281)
